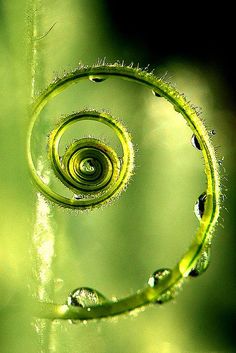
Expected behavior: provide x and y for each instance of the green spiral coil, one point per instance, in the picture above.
(96, 174)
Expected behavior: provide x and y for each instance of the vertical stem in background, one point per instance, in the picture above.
(34, 6)
(43, 244)
(43, 237)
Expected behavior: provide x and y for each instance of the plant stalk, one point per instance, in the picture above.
(43, 235)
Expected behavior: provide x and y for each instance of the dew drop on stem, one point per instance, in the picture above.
(156, 94)
(195, 142)
(202, 264)
(77, 197)
(85, 297)
(158, 276)
(153, 281)
(97, 79)
(199, 206)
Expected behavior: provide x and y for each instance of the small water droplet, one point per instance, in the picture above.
(77, 197)
(220, 161)
(156, 94)
(195, 142)
(202, 264)
(199, 206)
(212, 132)
(97, 79)
(85, 297)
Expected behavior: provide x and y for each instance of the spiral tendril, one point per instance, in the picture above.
(90, 168)
(96, 174)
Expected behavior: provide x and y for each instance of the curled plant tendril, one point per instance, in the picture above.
(89, 168)
(95, 175)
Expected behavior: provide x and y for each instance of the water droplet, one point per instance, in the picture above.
(220, 161)
(156, 94)
(212, 132)
(85, 297)
(158, 276)
(195, 142)
(202, 264)
(199, 206)
(97, 79)
(77, 197)
(153, 281)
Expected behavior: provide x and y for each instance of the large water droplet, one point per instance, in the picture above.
(158, 276)
(195, 142)
(199, 206)
(97, 79)
(153, 281)
(202, 264)
(85, 297)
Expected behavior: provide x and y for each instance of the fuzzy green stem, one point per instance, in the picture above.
(43, 237)
(143, 297)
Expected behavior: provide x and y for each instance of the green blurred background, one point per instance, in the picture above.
(116, 249)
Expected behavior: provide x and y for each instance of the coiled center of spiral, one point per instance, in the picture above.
(89, 165)
(89, 168)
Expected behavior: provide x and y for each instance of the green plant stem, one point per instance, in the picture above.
(33, 44)
(143, 297)
(43, 236)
